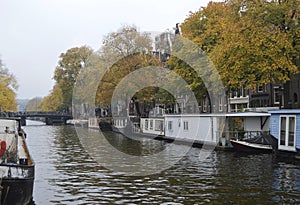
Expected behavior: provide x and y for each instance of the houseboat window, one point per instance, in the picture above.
(287, 133)
(151, 124)
(170, 125)
(291, 136)
(282, 130)
(146, 124)
(158, 125)
(185, 125)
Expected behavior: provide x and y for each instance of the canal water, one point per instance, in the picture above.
(67, 174)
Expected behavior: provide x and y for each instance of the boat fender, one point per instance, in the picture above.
(3, 147)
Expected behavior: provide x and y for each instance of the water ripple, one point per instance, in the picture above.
(65, 174)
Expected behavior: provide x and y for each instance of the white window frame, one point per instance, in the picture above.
(286, 147)
(276, 91)
(220, 104)
(260, 88)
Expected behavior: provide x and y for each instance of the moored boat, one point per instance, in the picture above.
(16, 164)
(259, 143)
(250, 147)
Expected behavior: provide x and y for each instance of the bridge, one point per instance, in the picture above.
(51, 118)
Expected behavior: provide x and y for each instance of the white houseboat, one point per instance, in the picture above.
(152, 126)
(215, 129)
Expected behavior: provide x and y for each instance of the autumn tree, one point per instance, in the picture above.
(250, 42)
(53, 101)
(66, 72)
(190, 76)
(33, 104)
(124, 51)
(8, 87)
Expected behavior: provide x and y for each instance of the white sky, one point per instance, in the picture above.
(34, 32)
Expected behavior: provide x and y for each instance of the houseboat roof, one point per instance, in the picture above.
(248, 114)
(235, 114)
(288, 111)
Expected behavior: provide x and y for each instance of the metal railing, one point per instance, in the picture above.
(242, 135)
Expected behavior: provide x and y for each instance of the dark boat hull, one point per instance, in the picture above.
(241, 146)
(105, 126)
(17, 191)
(17, 167)
(17, 184)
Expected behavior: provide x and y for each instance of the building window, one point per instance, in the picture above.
(260, 89)
(231, 93)
(185, 125)
(276, 95)
(287, 133)
(295, 98)
(238, 92)
(170, 125)
(220, 104)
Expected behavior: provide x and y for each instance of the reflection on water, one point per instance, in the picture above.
(66, 174)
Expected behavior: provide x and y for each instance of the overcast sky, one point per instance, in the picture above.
(35, 32)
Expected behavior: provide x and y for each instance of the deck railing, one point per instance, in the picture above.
(242, 135)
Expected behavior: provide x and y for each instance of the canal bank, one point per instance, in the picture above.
(66, 174)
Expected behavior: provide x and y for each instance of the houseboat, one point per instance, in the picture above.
(285, 127)
(16, 166)
(119, 123)
(215, 129)
(251, 135)
(93, 123)
(153, 126)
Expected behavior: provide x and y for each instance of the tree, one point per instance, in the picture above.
(53, 102)
(123, 52)
(8, 87)
(250, 42)
(190, 76)
(119, 70)
(33, 104)
(69, 66)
